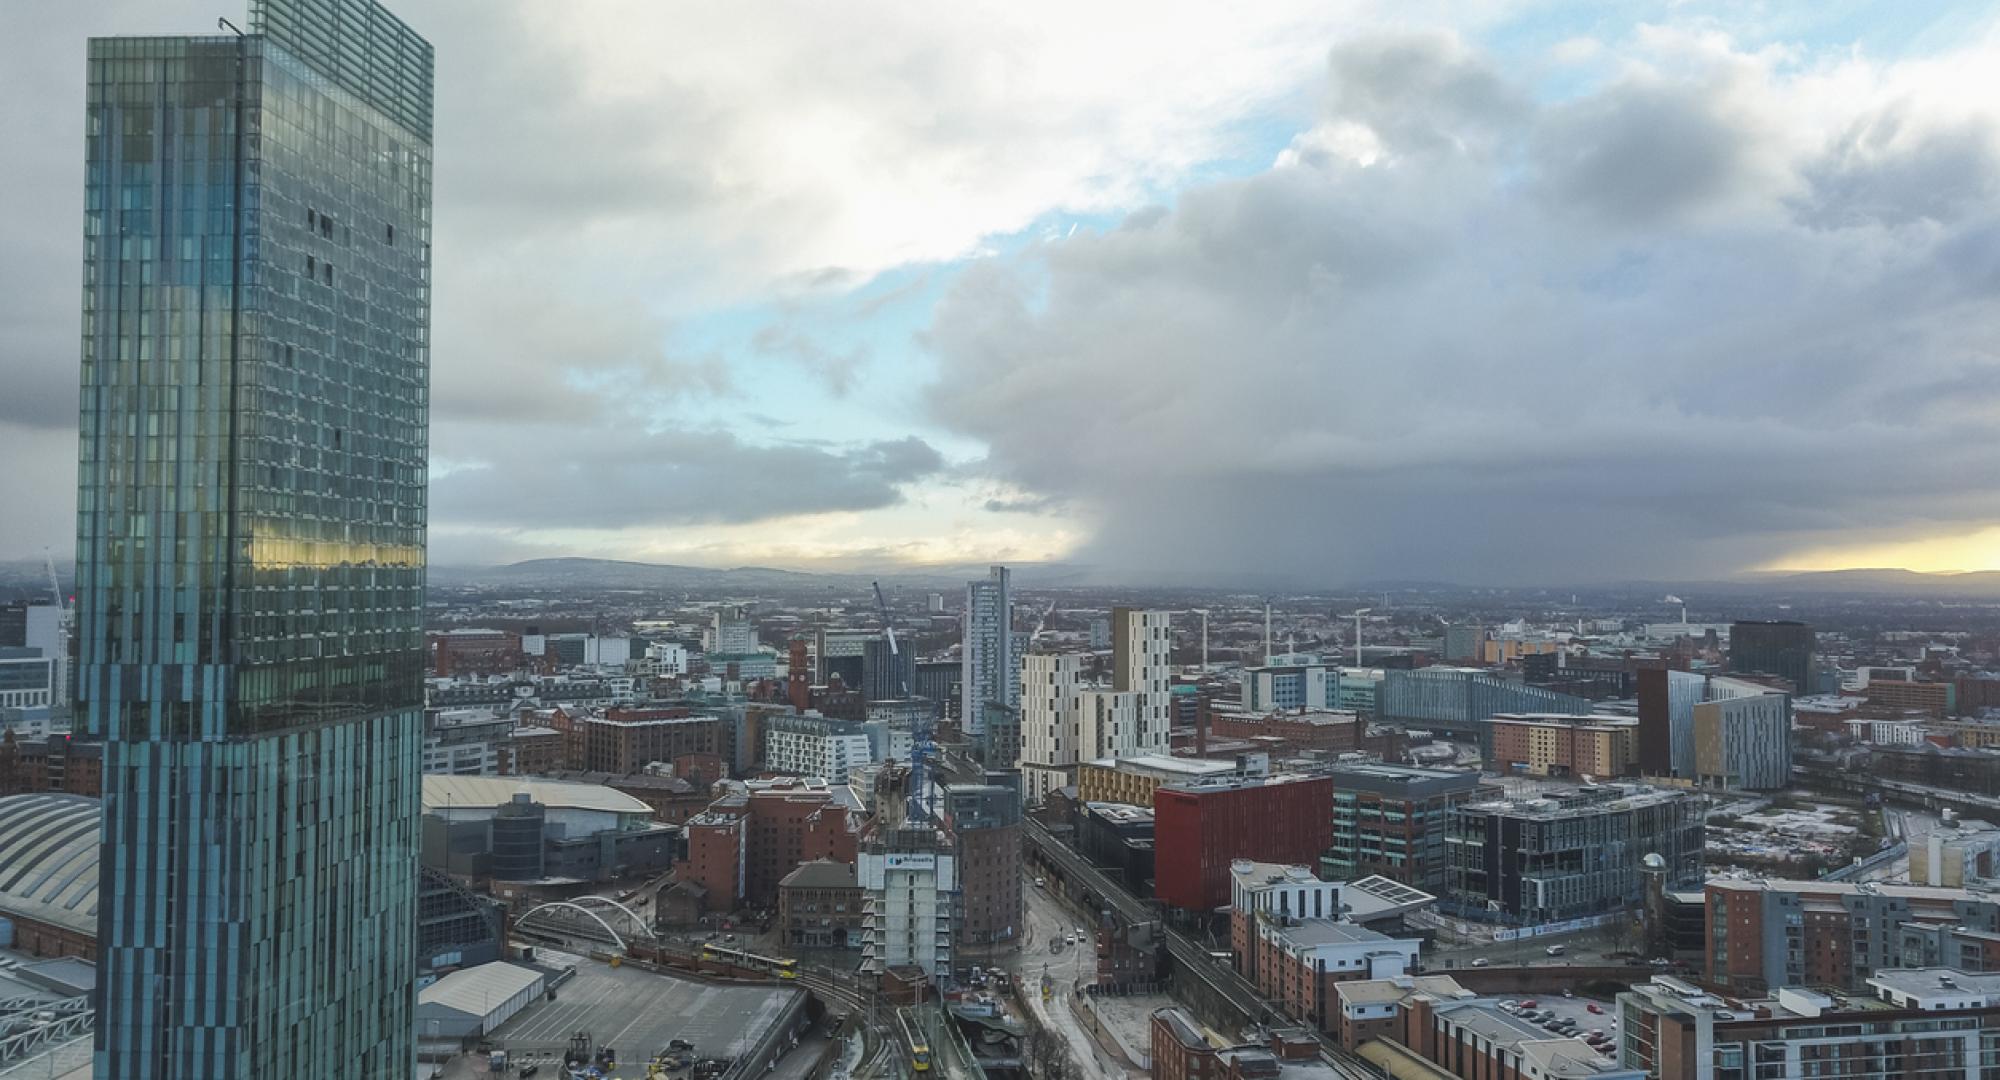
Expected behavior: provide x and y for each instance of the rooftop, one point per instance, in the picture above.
(48, 859)
(820, 874)
(442, 792)
(475, 990)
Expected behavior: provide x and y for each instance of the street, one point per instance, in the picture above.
(1049, 919)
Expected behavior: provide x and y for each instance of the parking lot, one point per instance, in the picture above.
(1576, 1008)
(636, 1013)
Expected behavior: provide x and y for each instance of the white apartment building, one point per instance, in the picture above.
(1143, 664)
(813, 746)
(909, 879)
(1065, 721)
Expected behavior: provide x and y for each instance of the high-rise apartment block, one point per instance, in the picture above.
(1066, 721)
(1744, 743)
(250, 539)
(1142, 664)
(989, 666)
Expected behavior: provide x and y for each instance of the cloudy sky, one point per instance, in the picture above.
(1478, 292)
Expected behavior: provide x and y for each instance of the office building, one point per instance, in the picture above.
(1909, 1022)
(1199, 830)
(1133, 780)
(1666, 721)
(27, 679)
(744, 844)
(1568, 853)
(1457, 701)
(886, 674)
(626, 740)
(1464, 643)
(1392, 820)
(1271, 688)
(730, 633)
(1544, 744)
(467, 742)
(1118, 839)
(1744, 743)
(250, 549)
(1784, 648)
(1955, 856)
(989, 666)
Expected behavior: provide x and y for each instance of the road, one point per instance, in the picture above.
(1049, 919)
(1190, 960)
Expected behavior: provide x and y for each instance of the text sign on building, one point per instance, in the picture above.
(912, 862)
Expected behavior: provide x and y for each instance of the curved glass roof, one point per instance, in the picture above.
(48, 859)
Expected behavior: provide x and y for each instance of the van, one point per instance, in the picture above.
(1556, 950)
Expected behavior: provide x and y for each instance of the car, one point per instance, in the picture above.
(1598, 1033)
(1556, 950)
(1481, 962)
(1511, 1005)
(1081, 932)
(1595, 1009)
(1071, 940)
(1041, 883)
(1529, 1003)
(1662, 962)
(1569, 993)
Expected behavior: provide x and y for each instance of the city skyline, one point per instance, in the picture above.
(971, 292)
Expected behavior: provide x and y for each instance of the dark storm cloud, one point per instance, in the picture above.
(1635, 334)
(614, 477)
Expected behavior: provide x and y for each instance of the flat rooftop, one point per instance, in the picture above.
(636, 1012)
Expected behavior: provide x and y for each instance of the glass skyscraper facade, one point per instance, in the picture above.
(250, 539)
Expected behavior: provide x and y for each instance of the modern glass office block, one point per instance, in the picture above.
(250, 539)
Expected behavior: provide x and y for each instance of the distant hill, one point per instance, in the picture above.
(1886, 581)
(618, 574)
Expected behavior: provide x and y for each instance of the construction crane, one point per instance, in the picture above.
(55, 583)
(920, 733)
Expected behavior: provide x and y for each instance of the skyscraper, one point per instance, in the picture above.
(991, 668)
(1783, 648)
(250, 539)
(1143, 664)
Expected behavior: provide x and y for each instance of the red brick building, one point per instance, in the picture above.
(533, 751)
(742, 846)
(54, 763)
(475, 652)
(627, 740)
(1199, 830)
(1294, 732)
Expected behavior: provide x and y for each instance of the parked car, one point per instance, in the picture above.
(1041, 883)
(1595, 1008)
(1480, 962)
